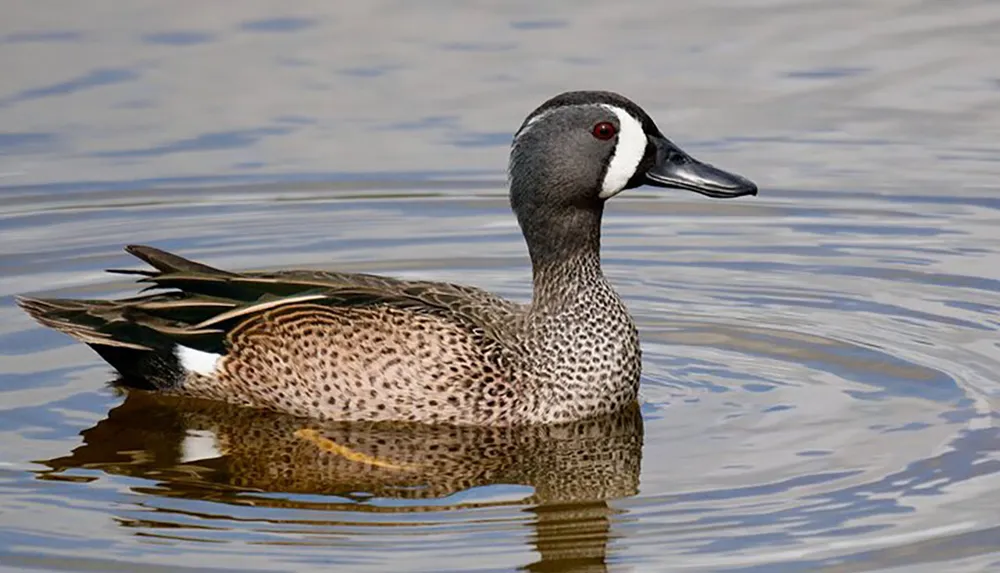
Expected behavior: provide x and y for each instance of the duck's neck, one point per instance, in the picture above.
(565, 252)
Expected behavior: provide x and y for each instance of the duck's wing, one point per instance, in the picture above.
(200, 307)
(175, 272)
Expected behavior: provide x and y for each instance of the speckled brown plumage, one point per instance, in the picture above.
(360, 347)
(369, 363)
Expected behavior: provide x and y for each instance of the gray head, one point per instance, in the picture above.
(579, 149)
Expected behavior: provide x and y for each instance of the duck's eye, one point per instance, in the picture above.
(604, 130)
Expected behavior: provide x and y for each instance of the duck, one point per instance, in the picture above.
(359, 347)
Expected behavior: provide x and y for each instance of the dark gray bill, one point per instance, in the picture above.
(676, 169)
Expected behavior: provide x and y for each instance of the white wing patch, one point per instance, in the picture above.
(196, 361)
(628, 153)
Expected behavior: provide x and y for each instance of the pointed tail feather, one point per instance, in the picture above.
(143, 357)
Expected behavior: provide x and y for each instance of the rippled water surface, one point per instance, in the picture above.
(820, 362)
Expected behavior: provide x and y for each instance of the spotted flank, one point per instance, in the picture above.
(361, 347)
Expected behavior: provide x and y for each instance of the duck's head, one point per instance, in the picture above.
(581, 148)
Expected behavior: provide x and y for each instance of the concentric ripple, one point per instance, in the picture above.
(818, 392)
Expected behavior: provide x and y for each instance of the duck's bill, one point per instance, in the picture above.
(675, 169)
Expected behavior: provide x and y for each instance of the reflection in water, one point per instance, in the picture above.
(210, 451)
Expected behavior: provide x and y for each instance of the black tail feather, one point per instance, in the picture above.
(142, 369)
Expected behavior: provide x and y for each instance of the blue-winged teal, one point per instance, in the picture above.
(364, 347)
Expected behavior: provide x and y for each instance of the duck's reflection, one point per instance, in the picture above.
(209, 450)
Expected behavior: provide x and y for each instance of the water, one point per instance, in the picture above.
(819, 362)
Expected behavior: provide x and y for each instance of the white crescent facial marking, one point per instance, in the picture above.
(628, 153)
(196, 361)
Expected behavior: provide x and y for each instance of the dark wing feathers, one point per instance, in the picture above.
(168, 263)
(202, 303)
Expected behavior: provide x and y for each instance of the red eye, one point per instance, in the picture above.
(604, 130)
